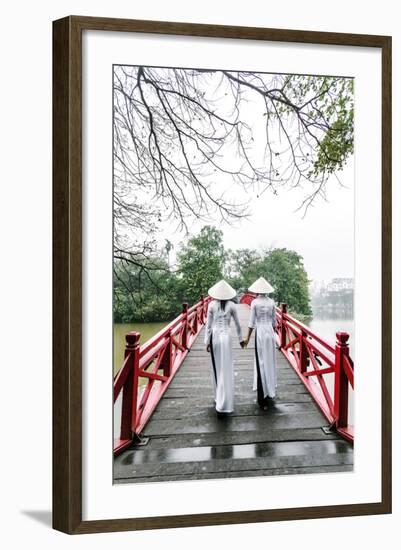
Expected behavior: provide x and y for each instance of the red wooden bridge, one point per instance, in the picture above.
(164, 420)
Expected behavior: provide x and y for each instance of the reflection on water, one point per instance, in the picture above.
(332, 313)
(226, 452)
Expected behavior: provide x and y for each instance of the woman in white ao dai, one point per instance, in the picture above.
(219, 343)
(263, 321)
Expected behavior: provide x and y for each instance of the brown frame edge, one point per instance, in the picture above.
(67, 275)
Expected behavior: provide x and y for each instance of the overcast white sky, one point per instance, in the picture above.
(324, 237)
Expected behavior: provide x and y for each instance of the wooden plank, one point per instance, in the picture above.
(171, 402)
(231, 438)
(147, 455)
(205, 385)
(205, 373)
(248, 409)
(194, 392)
(123, 470)
(243, 399)
(247, 377)
(237, 424)
(244, 473)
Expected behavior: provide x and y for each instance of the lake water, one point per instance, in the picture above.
(327, 328)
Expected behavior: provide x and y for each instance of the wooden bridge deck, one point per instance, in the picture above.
(188, 441)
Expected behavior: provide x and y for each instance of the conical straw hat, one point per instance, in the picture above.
(261, 286)
(222, 291)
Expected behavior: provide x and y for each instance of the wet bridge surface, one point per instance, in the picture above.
(188, 441)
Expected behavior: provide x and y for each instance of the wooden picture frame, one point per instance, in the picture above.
(67, 273)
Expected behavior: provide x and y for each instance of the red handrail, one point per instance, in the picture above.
(165, 352)
(312, 358)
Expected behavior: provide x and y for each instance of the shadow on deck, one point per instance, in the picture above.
(187, 440)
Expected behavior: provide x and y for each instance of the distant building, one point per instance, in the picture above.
(340, 283)
(335, 296)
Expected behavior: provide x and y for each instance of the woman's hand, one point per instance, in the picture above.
(208, 348)
(248, 337)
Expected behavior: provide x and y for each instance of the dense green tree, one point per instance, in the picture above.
(156, 292)
(283, 268)
(238, 267)
(143, 295)
(201, 263)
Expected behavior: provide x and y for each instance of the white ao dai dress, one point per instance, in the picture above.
(218, 335)
(263, 320)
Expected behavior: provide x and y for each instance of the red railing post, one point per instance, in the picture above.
(283, 333)
(195, 327)
(303, 352)
(203, 316)
(130, 390)
(167, 356)
(341, 381)
(185, 326)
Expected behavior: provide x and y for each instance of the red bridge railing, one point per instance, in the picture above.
(155, 362)
(313, 358)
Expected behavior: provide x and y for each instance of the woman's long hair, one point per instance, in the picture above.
(223, 304)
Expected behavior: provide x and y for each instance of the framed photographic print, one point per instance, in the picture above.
(222, 273)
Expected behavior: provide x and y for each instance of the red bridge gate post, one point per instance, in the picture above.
(130, 390)
(341, 381)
